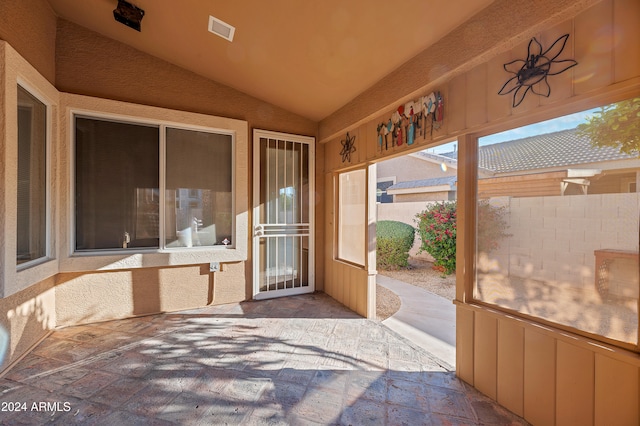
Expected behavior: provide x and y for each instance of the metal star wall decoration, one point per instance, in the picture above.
(348, 146)
(531, 73)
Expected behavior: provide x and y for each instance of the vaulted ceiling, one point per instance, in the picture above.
(308, 57)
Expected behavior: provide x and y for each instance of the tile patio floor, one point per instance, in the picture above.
(301, 360)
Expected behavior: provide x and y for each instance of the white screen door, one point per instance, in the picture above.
(283, 200)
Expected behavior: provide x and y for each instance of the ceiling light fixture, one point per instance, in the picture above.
(221, 28)
(128, 14)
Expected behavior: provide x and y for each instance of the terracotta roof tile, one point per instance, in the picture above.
(447, 180)
(558, 149)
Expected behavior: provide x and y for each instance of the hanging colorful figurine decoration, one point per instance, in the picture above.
(348, 146)
(411, 121)
(411, 133)
(382, 128)
(394, 125)
(531, 73)
(390, 131)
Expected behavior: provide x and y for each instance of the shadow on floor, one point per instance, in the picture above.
(250, 363)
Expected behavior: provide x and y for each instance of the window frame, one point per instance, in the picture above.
(112, 259)
(162, 164)
(380, 180)
(72, 212)
(338, 228)
(16, 72)
(467, 240)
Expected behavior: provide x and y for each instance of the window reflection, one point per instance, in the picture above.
(117, 183)
(199, 189)
(116, 177)
(557, 222)
(31, 199)
(352, 216)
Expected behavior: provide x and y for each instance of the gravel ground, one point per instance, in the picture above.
(387, 303)
(420, 274)
(615, 317)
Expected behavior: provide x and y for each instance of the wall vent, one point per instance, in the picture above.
(221, 28)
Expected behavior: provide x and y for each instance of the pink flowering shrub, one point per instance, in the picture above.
(492, 226)
(437, 230)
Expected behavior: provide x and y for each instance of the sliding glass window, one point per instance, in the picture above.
(117, 185)
(198, 189)
(31, 200)
(122, 181)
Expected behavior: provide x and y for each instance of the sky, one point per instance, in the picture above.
(570, 121)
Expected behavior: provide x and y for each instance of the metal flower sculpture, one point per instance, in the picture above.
(347, 147)
(531, 73)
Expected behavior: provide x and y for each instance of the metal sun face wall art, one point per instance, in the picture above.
(531, 74)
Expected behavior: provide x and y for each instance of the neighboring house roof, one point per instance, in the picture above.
(557, 149)
(447, 180)
(563, 149)
(447, 158)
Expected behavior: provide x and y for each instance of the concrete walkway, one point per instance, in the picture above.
(424, 318)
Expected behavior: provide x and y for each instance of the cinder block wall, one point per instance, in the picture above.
(554, 238)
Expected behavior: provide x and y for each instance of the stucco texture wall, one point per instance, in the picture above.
(120, 72)
(30, 27)
(25, 318)
(27, 306)
(85, 298)
(425, 196)
(129, 75)
(79, 61)
(408, 168)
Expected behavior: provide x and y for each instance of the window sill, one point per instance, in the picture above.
(108, 261)
(32, 264)
(30, 274)
(351, 264)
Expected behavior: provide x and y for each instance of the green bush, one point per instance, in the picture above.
(393, 242)
(437, 230)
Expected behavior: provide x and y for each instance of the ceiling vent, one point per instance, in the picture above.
(221, 28)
